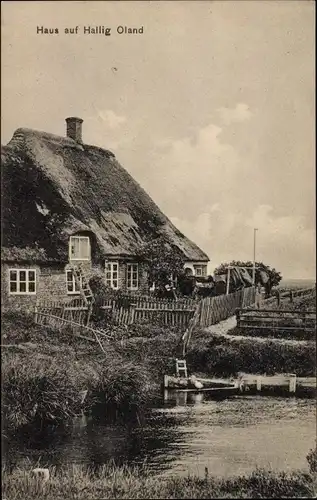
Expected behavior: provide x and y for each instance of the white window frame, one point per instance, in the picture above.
(18, 281)
(80, 238)
(130, 271)
(112, 267)
(200, 267)
(73, 291)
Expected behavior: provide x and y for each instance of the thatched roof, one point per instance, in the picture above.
(54, 187)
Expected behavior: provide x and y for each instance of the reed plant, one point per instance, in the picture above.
(112, 482)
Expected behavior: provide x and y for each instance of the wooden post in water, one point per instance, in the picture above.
(292, 383)
(291, 296)
(166, 378)
(259, 383)
(278, 297)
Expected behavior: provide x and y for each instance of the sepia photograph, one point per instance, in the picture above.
(158, 255)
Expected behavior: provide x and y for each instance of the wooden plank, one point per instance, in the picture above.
(276, 327)
(276, 311)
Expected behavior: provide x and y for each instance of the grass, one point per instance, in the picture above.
(227, 357)
(45, 370)
(271, 333)
(112, 482)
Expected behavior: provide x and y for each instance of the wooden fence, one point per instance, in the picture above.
(281, 298)
(148, 309)
(276, 319)
(76, 310)
(54, 314)
(128, 310)
(215, 309)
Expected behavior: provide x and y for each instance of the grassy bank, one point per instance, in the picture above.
(113, 482)
(296, 334)
(227, 357)
(44, 370)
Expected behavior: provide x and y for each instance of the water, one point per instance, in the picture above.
(188, 433)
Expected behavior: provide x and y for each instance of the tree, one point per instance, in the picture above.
(274, 275)
(162, 260)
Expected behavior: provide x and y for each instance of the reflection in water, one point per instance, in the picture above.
(190, 432)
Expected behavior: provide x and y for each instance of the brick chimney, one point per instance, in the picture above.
(74, 128)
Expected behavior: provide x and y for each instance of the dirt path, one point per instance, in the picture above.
(221, 329)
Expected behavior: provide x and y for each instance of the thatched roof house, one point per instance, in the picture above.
(55, 187)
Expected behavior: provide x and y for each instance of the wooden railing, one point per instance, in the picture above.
(280, 298)
(276, 319)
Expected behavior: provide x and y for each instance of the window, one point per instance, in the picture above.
(71, 283)
(132, 276)
(112, 274)
(200, 270)
(22, 281)
(79, 248)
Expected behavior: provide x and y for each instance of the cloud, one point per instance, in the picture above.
(108, 130)
(238, 114)
(198, 171)
(111, 119)
(282, 242)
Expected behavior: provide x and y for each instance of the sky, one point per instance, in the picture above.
(211, 109)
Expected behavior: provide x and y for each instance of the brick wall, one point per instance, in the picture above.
(51, 283)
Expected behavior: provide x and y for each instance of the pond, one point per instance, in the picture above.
(189, 432)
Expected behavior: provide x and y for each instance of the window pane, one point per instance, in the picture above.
(74, 248)
(22, 287)
(13, 286)
(32, 286)
(31, 275)
(22, 276)
(115, 284)
(69, 286)
(84, 248)
(13, 276)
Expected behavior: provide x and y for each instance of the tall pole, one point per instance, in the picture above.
(228, 280)
(254, 248)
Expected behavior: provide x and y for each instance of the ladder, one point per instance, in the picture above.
(181, 366)
(83, 284)
(192, 323)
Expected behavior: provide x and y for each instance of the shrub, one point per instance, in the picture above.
(122, 389)
(222, 356)
(312, 459)
(39, 388)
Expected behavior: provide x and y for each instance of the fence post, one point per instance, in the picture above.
(292, 383)
(291, 297)
(278, 297)
(238, 317)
